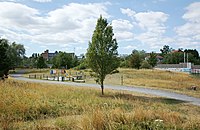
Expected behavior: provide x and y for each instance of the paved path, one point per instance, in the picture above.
(162, 93)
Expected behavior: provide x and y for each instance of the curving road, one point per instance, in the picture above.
(162, 93)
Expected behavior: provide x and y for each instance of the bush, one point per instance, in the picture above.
(145, 65)
(82, 66)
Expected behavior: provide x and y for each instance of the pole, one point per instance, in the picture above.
(122, 80)
(184, 57)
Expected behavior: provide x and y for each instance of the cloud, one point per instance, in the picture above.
(152, 21)
(189, 33)
(42, 1)
(122, 29)
(128, 12)
(152, 26)
(57, 27)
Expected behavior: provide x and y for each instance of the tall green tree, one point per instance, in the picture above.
(165, 50)
(174, 58)
(63, 59)
(152, 59)
(16, 54)
(136, 59)
(41, 62)
(102, 52)
(4, 59)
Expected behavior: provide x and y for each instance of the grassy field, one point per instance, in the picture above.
(172, 81)
(157, 79)
(44, 106)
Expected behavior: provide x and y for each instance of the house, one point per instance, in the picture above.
(158, 57)
(48, 56)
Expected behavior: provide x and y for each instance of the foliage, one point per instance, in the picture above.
(102, 52)
(174, 58)
(152, 59)
(16, 54)
(193, 56)
(41, 62)
(166, 50)
(82, 65)
(63, 60)
(124, 61)
(194, 52)
(145, 65)
(136, 58)
(5, 62)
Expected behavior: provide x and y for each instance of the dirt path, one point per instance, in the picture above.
(162, 93)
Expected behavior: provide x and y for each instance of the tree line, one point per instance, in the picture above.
(141, 59)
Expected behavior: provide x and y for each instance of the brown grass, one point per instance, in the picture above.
(43, 106)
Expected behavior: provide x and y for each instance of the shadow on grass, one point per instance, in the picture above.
(131, 97)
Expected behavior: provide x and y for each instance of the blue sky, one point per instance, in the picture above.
(68, 25)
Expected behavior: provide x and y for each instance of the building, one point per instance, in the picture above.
(182, 67)
(158, 57)
(48, 56)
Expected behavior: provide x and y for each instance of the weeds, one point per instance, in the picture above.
(43, 106)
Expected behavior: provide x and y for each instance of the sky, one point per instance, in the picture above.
(68, 25)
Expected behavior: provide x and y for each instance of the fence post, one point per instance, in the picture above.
(35, 76)
(122, 79)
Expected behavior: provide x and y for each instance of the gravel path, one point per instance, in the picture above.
(162, 93)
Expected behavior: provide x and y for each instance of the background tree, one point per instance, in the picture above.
(193, 56)
(166, 50)
(145, 65)
(124, 61)
(41, 62)
(4, 59)
(136, 58)
(152, 59)
(173, 58)
(102, 52)
(16, 54)
(63, 59)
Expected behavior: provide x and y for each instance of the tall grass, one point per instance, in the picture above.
(174, 81)
(44, 106)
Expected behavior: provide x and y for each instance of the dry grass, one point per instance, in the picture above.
(44, 106)
(157, 79)
(175, 81)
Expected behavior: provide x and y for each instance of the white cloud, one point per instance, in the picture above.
(189, 33)
(128, 12)
(152, 26)
(121, 25)
(122, 29)
(152, 21)
(192, 13)
(42, 1)
(72, 24)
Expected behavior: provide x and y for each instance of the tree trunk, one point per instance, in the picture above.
(102, 87)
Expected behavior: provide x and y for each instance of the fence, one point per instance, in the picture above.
(76, 78)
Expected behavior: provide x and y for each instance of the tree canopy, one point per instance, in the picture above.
(11, 55)
(102, 52)
(136, 58)
(63, 60)
(41, 62)
(4, 64)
